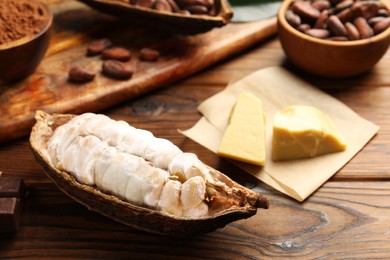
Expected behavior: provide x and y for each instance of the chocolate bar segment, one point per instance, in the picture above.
(11, 187)
(11, 199)
(10, 214)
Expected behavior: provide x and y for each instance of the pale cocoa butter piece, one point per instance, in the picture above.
(304, 132)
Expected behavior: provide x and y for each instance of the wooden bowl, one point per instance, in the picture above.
(19, 59)
(330, 58)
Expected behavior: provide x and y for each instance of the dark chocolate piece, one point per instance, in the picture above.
(10, 214)
(11, 187)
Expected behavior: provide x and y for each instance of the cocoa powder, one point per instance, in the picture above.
(19, 19)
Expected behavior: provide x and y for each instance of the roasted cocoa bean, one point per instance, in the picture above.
(117, 69)
(116, 53)
(148, 54)
(79, 74)
(336, 27)
(196, 9)
(343, 19)
(318, 33)
(145, 3)
(321, 5)
(338, 38)
(293, 19)
(322, 20)
(305, 10)
(97, 46)
(365, 31)
(303, 27)
(382, 25)
(163, 5)
(352, 32)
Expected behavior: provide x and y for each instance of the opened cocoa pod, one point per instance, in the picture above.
(176, 16)
(131, 176)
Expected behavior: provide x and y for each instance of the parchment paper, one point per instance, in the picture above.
(278, 88)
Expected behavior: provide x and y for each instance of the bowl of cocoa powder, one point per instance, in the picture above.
(334, 38)
(24, 37)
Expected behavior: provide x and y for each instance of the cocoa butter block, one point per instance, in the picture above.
(10, 214)
(11, 187)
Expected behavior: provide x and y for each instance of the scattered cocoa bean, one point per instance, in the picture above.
(117, 53)
(97, 46)
(117, 69)
(79, 74)
(148, 54)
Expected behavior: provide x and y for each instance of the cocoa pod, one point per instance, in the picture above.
(116, 69)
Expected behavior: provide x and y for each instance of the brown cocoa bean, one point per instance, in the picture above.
(97, 46)
(117, 69)
(116, 53)
(293, 19)
(148, 54)
(321, 5)
(374, 20)
(383, 12)
(183, 3)
(145, 3)
(322, 20)
(335, 26)
(364, 9)
(79, 74)
(382, 25)
(346, 15)
(163, 6)
(305, 10)
(343, 5)
(196, 9)
(365, 31)
(303, 27)
(352, 31)
(318, 33)
(174, 6)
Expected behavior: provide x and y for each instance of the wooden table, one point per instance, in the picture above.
(348, 217)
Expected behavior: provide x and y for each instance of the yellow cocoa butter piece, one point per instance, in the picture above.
(304, 132)
(244, 138)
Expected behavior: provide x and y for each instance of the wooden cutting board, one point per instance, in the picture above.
(75, 25)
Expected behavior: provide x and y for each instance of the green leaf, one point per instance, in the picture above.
(254, 10)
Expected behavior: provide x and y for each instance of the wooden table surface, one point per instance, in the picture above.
(348, 217)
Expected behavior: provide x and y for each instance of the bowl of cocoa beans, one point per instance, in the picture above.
(334, 38)
(24, 37)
